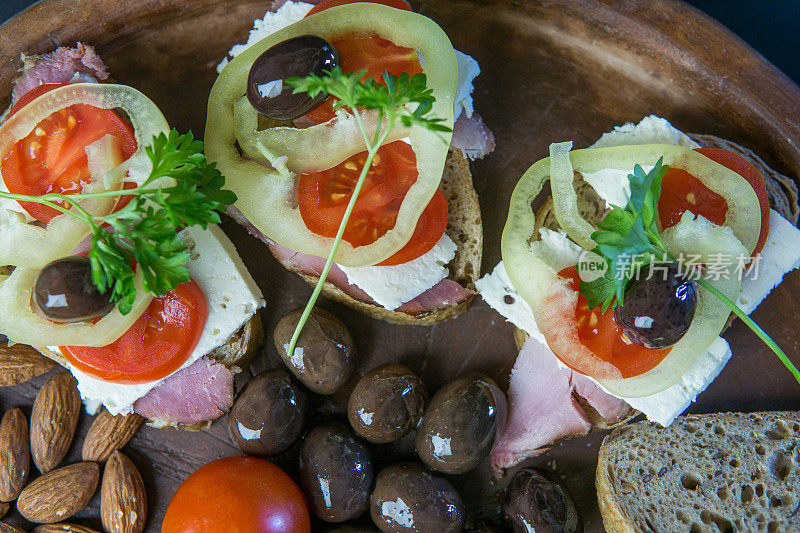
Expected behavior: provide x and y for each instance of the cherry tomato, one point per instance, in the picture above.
(680, 192)
(158, 343)
(323, 198)
(52, 158)
(373, 54)
(238, 495)
(599, 332)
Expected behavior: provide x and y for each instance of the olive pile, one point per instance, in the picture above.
(452, 434)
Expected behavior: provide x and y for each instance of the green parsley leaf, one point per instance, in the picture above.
(599, 292)
(624, 237)
(144, 233)
(405, 97)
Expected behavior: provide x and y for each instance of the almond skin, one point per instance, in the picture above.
(53, 420)
(63, 528)
(4, 507)
(15, 454)
(59, 494)
(123, 501)
(108, 434)
(6, 528)
(19, 363)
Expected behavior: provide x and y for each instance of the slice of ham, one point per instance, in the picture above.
(543, 408)
(472, 136)
(60, 66)
(193, 395)
(444, 294)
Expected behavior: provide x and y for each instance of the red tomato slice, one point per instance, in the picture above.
(238, 495)
(158, 343)
(680, 192)
(323, 198)
(52, 158)
(373, 54)
(430, 228)
(599, 332)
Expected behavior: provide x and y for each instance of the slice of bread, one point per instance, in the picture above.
(464, 226)
(237, 352)
(716, 472)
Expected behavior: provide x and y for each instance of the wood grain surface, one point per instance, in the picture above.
(552, 70)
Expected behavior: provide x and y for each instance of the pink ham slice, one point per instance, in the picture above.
(472, 136)
(542, 407)
(444, 294)
(199, 393)
(60, 66)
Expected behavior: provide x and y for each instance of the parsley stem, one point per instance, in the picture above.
(373, 149)
(49, 203)
(752, 325)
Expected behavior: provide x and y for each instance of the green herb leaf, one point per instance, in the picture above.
(600, 292)
(144, 233)
(624, 237)
(406, 97)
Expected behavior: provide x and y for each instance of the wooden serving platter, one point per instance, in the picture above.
(552, 70)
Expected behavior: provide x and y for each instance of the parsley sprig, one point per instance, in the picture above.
(628, 239)
(401, 99)
(145, 231)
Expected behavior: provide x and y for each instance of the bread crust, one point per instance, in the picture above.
(614, 518)
(464, 227)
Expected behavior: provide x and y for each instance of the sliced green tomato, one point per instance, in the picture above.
(553, 302)
(266, 195)
(22, 325)
(22, 244)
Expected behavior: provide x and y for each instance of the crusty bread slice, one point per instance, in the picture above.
(237, 352)
(716, 472)
(464, 226)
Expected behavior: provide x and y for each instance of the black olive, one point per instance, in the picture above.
(64, 291)
(324, 358)
(534, 503)
(386, 403)
(410, 498)
(460, 424)
(269, 414)
(335, 472)
(658, 311)
(298, 56)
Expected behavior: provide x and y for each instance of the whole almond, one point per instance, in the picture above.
(53, 420)
(63, 528)
(4, 507)
(7, 528)
(108, 434)
(59, 494)
(19, 363)
(15, 454)
(123, 501)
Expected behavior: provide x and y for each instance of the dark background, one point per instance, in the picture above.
(770, 26)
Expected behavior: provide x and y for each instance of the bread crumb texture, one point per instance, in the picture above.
(704, 473)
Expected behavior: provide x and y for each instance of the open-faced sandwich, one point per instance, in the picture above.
(112, 263)
(621, 281)
(389, 89)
